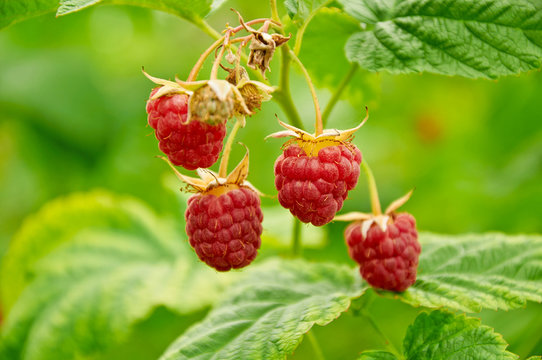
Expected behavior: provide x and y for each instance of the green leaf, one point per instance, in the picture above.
(443, 335)
(471, 38)
(265, 314)
(86, 268)
(471, 272)
(14, 11)
(302, 9)
(193, 10)
(377, 355)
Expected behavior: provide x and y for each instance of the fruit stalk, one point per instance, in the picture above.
(319, 128)
(223, 170)
(373, 191)
(297, 248)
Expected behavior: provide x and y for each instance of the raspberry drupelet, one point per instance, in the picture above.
(224, 228)
(388, 258)
(192, 145)
(313, 188)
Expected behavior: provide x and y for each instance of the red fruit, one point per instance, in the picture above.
(313, 188)
(388, 259)
(193, 145)
(225, 228)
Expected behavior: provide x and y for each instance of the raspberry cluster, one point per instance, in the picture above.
(225, 229)
(314, 188)
(191, 145)
(388, 259)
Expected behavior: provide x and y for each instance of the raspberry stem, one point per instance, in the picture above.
(199, 64)
(297, 248)
(373, 191)
(319, 128)
(318, 354)
(337, 95)
(218, 59)
(223, 169)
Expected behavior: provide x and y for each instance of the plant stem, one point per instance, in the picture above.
(338, 92)
(318, 354)
(318, 123)
(297, 248)
(391, 347)
(216, 63)
(197, 67)
(208, 29)
(223, 169)
(373, 191)
(274, 11)
(301, 31)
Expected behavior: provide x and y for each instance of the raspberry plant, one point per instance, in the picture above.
(86, 269)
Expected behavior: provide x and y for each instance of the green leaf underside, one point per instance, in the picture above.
(265, 314)
(471, 38)
(88, 267)
(443, 335)
(472, 272)
(12, 11)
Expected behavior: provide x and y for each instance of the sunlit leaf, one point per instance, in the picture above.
(443, 335)
(471, 38)
(471, 272)
(265, 314)
(82, 271)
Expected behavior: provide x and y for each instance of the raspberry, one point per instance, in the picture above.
(225, 229)
(193, 145)
(313, 188)
(388, 259)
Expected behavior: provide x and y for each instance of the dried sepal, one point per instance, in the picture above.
(382, 220)
(353, 216)
(210, 182)
(167, 87)
(398, 203)
(193, 184)
(327, 134)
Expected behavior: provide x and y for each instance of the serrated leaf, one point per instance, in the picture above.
(86, 268)
(471, 38)
(377, 355)
(471, 272)
(265, 314)
(443, 335)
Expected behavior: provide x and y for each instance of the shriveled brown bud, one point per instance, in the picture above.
(262, 48)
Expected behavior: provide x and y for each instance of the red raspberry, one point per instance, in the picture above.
(388, 259)
(193, 145)
(225, 229)
(313, 188)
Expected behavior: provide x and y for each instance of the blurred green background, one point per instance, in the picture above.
(72, 118)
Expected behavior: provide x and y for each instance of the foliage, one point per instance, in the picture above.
(84, 272)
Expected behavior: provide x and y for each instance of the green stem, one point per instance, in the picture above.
(301, 31)
(373, 191)
(318, 122)
(318, 354)
(338, 92)
(391, 347)
(297, 247)
(274, 11)
(208, 29)
(223, 170)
